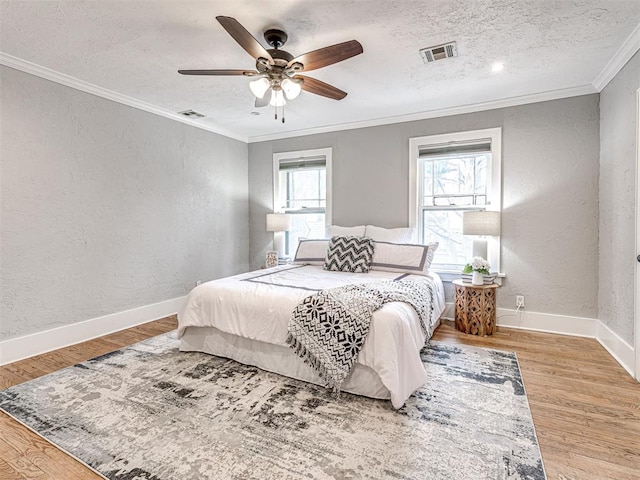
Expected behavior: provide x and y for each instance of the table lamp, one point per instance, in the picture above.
(480, 223)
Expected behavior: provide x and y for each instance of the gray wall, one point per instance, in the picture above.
(550, 193)
(106, 208)
(618, 137)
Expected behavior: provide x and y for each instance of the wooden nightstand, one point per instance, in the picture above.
(475, 308)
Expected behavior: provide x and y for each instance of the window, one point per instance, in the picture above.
(451, 174)
(302, 188)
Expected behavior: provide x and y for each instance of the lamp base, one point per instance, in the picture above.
(480, 248)
(278, 243)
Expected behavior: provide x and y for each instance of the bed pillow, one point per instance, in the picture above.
(333, 230)
(349, 254)
(311, 251)
(393, 235)
(403, 258)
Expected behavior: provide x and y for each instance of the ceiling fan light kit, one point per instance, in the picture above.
(279, 78)
(259, 87)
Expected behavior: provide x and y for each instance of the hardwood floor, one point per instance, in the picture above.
(585, 407)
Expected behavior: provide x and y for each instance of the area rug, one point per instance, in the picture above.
(150, 412)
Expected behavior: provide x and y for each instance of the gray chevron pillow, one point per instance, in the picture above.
(349, 254)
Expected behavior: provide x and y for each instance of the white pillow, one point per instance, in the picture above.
(393, 235)
(311, 251)
(403, 258)
(334, 230)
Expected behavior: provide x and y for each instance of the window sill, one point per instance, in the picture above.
(449, 276)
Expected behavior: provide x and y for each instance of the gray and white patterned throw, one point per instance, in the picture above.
(327, 330)
(349, 254)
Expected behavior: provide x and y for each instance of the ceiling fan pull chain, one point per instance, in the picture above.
(275, 109)
(282, 113)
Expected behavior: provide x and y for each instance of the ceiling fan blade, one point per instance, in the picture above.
(328, 55)
(312, 85)
(244, 38)
(264, 101)
(248, 73)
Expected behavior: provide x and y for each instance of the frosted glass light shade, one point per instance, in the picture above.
(291, 89)
(278, 222)
(481, 223)
(277, 99)
(259, 87)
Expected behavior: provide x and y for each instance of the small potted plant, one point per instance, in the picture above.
(478, 267)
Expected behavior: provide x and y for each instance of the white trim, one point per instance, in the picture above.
(539, 322)
(636, 279)
(616, 346)
(628, 49)
(621, 351)
(443, 112)
(19, 348)
(63, 79)
(494, 184)
(327, 153)
(69, 81)
(547, 322)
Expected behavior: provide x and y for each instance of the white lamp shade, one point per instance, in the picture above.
(277, 99)
(278, 222)
(291, 88)
(259, 87)
(481, 223)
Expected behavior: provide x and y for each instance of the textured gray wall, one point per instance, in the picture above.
(550, 193)
(106, 208)
(618, 134)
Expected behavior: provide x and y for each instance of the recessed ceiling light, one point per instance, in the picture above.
(496, 67)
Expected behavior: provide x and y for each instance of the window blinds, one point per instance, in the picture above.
(300, 163)
(475, 147)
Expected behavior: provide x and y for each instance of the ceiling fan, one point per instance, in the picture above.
(277, 72)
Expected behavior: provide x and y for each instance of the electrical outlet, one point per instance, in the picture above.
(519, 301)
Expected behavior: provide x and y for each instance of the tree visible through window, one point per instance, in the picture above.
(452, 173)
(450, 184)
(302, 191)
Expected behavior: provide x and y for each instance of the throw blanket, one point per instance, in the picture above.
(327, 330)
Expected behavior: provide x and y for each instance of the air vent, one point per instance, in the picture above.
(191, 114)
(439, 52)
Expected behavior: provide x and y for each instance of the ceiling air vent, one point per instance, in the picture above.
(439, 52)
(191, 114)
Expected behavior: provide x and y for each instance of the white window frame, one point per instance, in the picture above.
(494, 182)
(301, 155)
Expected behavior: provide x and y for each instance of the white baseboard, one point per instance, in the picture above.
(620, 350)
(547, 322)
(539, 322)
(27, 346)
(617, 347)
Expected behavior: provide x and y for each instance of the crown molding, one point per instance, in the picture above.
(444, 112)
(619, 60)
(61, 78)
(69, 81)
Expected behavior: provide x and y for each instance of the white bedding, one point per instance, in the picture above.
(257, 306)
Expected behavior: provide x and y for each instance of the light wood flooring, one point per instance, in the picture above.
(585, 407)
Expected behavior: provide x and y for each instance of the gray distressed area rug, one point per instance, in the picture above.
(150, 412)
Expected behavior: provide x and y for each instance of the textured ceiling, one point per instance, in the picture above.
(135, 48)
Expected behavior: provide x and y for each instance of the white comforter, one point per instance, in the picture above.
(257, 305)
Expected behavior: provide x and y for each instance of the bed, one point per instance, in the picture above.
(245, 318)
